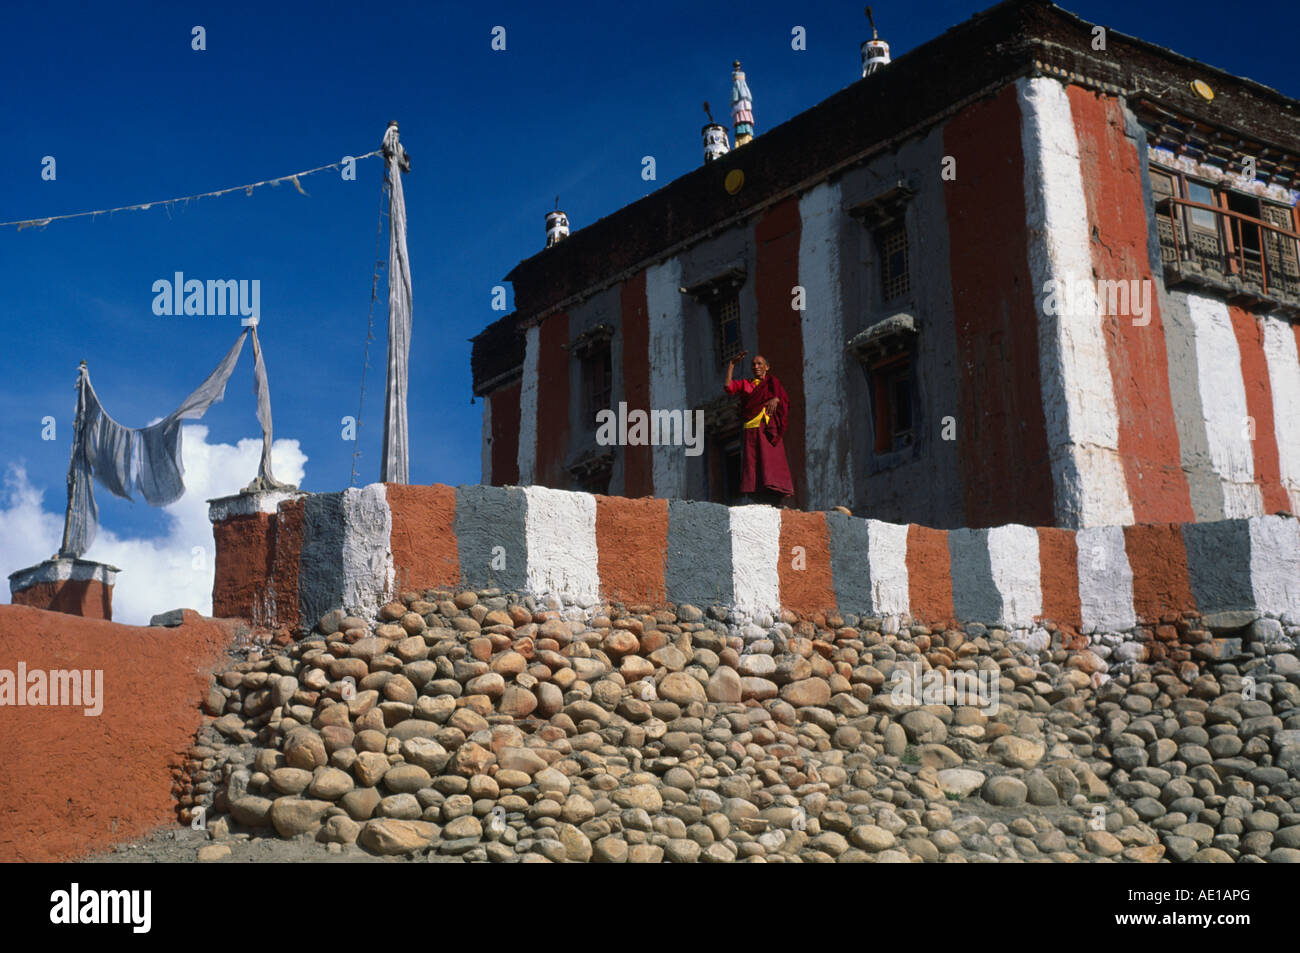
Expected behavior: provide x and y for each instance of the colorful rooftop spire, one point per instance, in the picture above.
(742, 106)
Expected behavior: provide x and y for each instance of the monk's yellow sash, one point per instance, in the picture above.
(761, 418)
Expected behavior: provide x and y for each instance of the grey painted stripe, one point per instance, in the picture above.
(1218, 564)
(850, 545)
(1105, 580)
(699, 569)
(488, 517)
(975, 596)
(320, 565)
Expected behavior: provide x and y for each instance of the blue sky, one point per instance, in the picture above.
(131, 113)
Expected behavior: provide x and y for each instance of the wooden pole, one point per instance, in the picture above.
(395, 465)
(78, 440)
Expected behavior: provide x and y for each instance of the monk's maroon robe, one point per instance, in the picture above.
(763, 465)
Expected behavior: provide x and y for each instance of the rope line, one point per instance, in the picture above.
(168, 203)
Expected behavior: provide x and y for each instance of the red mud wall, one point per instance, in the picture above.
(929, 574)
(505, 435)
(88, 598)
(72, 784)
(996, 321)
(805, 578)
(633, 546)
(780, 327)
(1148, 435)
(638, 467)
(245, 546)
(424, 535)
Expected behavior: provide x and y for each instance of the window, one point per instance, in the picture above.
(887, 352)
(1222, 237)
(892, 400)
(597, 374)
(726, 322)
(892, 242)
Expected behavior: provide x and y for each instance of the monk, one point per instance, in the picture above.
(765, 409)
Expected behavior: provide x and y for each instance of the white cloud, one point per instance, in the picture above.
(170, 572)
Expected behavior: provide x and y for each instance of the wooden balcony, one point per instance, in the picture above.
(1253, 262)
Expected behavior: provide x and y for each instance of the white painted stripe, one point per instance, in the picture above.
(1284, 382)
(828, 472)
(1013, 559)
(755, 549)
(560, 532)
(63, 570)
(1223, 401)
(667, 369)
(1275, 564)
(485, 443)
(246, 504)
(887, 559)
(1105, 580)
(1078, 395)
(368, 571)
(527, 457)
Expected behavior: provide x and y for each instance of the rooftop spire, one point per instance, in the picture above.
(715, 137)
(875, 51)
(557, 225)
(742, 106)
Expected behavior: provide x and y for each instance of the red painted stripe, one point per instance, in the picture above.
(780, 328)
(423, 537)
(1161, 583)
(929, 575)
(286, 563)
(245, 548)
(1058, 569)
(638, 465)
(1259, 405)
(631, 549)
(505, 435)
(995, 320)
(1139, 367)
(553, 402)
(804, 563)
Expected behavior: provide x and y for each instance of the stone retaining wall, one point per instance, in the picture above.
(285, 562)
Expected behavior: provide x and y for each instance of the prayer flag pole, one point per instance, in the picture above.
(395, 467)
(69, 549)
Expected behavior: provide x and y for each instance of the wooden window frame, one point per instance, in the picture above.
(721, 313)
(894, 287)
(885, 374)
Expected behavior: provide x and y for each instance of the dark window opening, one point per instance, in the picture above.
(596, 482)
(894, 278)
(892, 399)
(732, 462)
(726, 322)
(597, 375)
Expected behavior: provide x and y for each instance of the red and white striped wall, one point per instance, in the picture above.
(1185, 413)
(361, 547)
